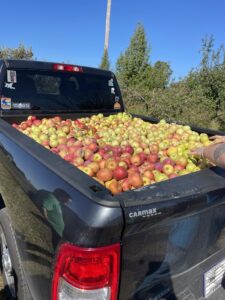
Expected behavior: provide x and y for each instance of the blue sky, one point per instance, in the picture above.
(73, 30)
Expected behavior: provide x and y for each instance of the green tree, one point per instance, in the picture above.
(105, 64)
(132, 64)
(21, 52)
(158, 75)
(197, 99)
(210, 78)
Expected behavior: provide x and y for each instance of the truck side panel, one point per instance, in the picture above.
(169, 245)
(25, 188)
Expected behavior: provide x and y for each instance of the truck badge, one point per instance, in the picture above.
(146, 213)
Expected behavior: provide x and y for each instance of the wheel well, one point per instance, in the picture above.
(2, 203)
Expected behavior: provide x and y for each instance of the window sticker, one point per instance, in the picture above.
(6, 103)
(113, 91)
(9, 86)
(11, 76)
(110, 82)
(21, 105)
(117, 105)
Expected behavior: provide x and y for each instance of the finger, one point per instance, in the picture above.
(193, 152)
(197, 151)
(214, 137)
(218, 141)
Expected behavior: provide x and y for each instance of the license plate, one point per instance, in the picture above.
(213, 278)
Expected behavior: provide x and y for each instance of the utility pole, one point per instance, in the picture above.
(107, 25)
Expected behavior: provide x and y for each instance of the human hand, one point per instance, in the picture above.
(217, 139)
(198, 151)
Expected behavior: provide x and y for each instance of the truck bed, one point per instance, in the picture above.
(92, 217)
(171, 233)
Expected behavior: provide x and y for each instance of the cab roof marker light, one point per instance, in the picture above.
(58, 67)
(68, 68)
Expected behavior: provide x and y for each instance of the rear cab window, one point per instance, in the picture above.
(48, 90)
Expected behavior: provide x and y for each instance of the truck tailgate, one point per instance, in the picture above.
(173, 245)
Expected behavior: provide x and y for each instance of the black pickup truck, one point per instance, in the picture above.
(162, 241)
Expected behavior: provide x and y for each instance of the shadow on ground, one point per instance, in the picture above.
(2, 295)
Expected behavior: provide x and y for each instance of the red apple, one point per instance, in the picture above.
(135, 180)
(126, 185)
(93, 147)
(136, 160)
(111, 164)
(178, 168)
(168, 169)
(55, 150)
(107, 183)
(69, 157)
(143, 156)
(120, 173)
(168, 161)
(146, 180)
(107, 148)
(88, 154)
(115, 187)
(173, 175)
(107, 156)
(152, 158)
(88, 171)
(94, 166)
(154, 148)
(102, 164)
(79, 152)
(78, 161)
(128, 149)
(104, 174)
(70, 141)
(62, 140)
(97, 157)
(57, 119)
(151, 166)
(117, 151)
(72, 149)
(133, 169)
(123, 163)
(29, 123)
(45, 143)
(149, 175)
(181, 161)
(23, 125)
(101, 151)
(159, 166)
(78, 143)
(37, 122)
(62, 147)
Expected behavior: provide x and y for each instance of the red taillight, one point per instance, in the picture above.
(68, 68)
(86, 272)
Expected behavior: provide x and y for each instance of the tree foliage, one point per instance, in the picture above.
(134, 69)
(21, 52)
(197, 99)
(105, 63)
(132, 64)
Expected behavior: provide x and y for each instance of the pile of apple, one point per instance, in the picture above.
(120, 151)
